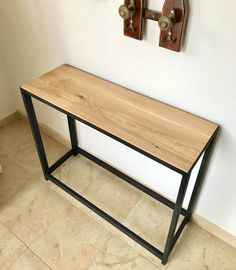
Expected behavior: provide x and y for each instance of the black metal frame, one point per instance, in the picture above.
(173, 234)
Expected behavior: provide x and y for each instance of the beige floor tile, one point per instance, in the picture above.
(43, 209)
(29, 261)
(34, 208)
(151, 220)
(11, 136)
(117, 255)
(10, 248)
(13, 180)
(77, 173)
(113, 195)
(16, 141)
(199, 250)
(72, 242)
(104, 189)
(27, 156)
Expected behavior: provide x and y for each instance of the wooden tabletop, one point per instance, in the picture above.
(166, 133)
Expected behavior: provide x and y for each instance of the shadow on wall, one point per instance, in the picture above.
(31, 38)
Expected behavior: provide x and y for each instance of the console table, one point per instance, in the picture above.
(169, 136)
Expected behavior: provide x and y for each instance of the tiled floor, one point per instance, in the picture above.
(43, 228)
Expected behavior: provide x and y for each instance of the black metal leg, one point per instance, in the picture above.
(200, 177)
(73, 134)
(36, 132)
(175, 217)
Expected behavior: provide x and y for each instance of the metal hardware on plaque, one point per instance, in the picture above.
(167, 22)
(124, 12)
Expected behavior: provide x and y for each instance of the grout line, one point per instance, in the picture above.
(26, 247)
(56, 218)
(101, 249)
(136, 250)
(40, 258)
(30, 245)
(136, 205)
(14, 234)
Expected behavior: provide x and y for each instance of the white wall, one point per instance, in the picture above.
(7, 97)
(39, 35)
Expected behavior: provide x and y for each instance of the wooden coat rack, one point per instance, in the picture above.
(171, 21)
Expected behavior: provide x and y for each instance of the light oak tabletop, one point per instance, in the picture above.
(165, 132)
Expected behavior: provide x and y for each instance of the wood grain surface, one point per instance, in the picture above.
(171, 135)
